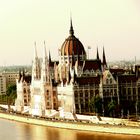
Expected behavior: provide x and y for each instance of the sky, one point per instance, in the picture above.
(114, 24)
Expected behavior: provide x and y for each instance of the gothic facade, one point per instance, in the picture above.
(70, 84)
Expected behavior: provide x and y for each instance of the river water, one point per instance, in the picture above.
(11, 130)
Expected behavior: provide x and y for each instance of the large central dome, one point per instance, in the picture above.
(72, 45)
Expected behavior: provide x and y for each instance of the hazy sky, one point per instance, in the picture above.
(112, 23)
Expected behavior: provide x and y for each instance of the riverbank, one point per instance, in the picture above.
(74, 125)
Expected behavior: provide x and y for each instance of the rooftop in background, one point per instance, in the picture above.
(14, 68)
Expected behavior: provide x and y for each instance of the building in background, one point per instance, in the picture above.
(2, 84)
(10, 77)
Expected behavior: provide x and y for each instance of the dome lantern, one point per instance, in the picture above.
(72, 46)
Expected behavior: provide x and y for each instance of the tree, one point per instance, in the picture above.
(112, 107)
(11, 95)
(96, 104)
(137, 108)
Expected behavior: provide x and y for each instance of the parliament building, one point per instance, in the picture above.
(70, 84)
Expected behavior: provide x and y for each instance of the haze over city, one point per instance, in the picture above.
(114, 24)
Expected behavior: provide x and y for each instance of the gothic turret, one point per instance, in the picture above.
(45, 66)
(50, 57)
(104, 60)
(36, 66)
(97, 57)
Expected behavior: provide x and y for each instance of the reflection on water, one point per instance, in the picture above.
(20, 131)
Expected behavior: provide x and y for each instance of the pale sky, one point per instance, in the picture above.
(112, 23)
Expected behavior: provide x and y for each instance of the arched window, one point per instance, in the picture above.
(107, 81)
(24, 90)
(110, 81)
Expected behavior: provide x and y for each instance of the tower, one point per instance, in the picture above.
(45, 77)
(97, 57)
(36, 66)
(104, 64)
(50, 57)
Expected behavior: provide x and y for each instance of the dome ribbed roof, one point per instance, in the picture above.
(72, 45)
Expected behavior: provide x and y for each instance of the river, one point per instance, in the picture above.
(20, 131)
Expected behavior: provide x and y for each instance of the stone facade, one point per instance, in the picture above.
(70, 84)
(23, 91)
(2, 84)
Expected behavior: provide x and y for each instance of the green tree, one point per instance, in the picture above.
(112, 107)
(11, 95)
(96, 104)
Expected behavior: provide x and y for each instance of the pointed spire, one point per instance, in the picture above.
(50, 57)
(44, 52)
(23, 75)
(19, 75)
(104, 59)
(36, 66)
(45, 75)
(35, 50)
(71, 31)
(97, 57)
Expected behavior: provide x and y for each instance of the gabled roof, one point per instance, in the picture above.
(107, 76)
(116, 71)
(92, 65)
(88, 80)
(127, 78)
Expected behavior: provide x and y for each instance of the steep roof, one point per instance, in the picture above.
(116, 71)
(92, 64)
(88, 80)
(127, 78)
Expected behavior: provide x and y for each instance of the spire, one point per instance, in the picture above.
(23, 75)
(50, 57)
(71, 31)
(35, 50)
(45, 66)
(44, 52)
(35, 66)
(19, 75)
(104, 59)
(97, 57)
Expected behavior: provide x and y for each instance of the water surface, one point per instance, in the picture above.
(11, 130)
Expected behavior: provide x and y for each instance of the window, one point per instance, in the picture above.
(110, 81)
(24, 90)
(86, 93)
(81, 94)
(47, 92)
(106, 81)
(129, 91)
(48, 103)
(77, 106)
(76, 94)
(96, 91)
